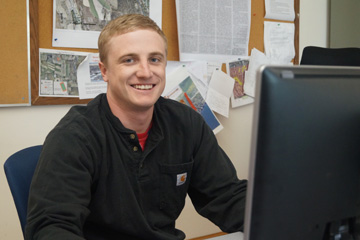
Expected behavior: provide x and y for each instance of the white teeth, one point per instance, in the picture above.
(143, 87)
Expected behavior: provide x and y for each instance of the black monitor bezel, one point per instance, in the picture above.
(284, 73)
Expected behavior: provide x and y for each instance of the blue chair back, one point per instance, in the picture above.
(19, 170)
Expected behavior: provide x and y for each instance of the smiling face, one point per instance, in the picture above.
(135, 70)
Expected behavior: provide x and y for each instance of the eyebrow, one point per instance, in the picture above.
(157, 53)
(135, 55)
(126, 56)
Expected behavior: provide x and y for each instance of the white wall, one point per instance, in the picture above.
(21, 127)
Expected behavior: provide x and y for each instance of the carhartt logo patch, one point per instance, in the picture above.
(181, 179)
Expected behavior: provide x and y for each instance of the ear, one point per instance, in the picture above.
(103, 70)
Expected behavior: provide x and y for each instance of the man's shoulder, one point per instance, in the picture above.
(82, 115)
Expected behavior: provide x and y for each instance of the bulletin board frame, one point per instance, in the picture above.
(41, 36)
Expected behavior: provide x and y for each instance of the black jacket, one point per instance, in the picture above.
(93, 181)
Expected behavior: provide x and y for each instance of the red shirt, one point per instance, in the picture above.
(143, 136)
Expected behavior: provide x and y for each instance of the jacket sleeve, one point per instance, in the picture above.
(215, 190)
(61, 189)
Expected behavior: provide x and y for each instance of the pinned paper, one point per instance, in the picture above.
(219, 92)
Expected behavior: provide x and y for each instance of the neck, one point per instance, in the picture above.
(137, 120)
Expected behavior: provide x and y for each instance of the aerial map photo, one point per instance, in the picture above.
(93, 15)
(59, 70)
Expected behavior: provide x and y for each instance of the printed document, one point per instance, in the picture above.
(180, 87)
(199, 71)
(89, 77)
(213, 30)
(257, 59)
(280, 10)
(279, 41)
(237, 70)
(219, 92)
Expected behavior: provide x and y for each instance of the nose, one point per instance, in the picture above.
(144, 70)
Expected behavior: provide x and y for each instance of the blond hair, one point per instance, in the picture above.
(125, 24)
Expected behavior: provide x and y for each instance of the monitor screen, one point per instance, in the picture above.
(304, 176)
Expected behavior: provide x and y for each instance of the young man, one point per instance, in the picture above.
(121, 167)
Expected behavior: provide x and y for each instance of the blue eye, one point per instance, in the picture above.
(129, 60)
(154, 60)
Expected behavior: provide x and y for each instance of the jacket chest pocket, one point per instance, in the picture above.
(175, 180)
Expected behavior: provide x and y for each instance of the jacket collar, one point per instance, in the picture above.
(156, 132)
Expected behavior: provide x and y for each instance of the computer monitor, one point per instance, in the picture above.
(304, 177)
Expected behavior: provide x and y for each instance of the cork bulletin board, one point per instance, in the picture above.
(40, 12)
(14, 68)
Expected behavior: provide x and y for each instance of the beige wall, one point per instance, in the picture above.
(313, 23)
(343, 21)
(21, 127)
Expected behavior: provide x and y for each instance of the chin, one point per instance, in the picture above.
(147, 101)
(143, 106)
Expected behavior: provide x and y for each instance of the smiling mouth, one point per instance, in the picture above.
(143, 86)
